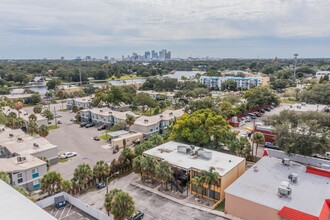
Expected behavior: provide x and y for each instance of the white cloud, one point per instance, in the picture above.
(106, 22)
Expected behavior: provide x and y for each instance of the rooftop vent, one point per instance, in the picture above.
(146, 120)
(255, 169)
(284, 189)
(286, 161)
(110, 112)
(35, 145)
(293, 177)
(161, 116)
(171, 113)
(21, 159)
(101, 110)
(11, 135)
(184, 149)
(19, 139)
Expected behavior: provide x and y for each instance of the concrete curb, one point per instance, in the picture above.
(183, 202)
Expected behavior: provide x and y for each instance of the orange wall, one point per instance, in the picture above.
(248, 210)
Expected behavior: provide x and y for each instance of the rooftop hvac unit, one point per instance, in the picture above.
(205, 154)
(21, 159)
(35, 145)
(19, 139)
(184, 149)
(286, 161)
(293, 177)
(284, 191)
(11, 135)
(324, 166)
(145, 120)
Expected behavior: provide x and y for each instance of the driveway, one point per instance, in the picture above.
(153, 206)
(70, 137)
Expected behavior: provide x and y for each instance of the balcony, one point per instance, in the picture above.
(35, 175)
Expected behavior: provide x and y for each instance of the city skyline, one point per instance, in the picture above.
(219, 29)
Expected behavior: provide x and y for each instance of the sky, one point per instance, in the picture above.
(198, 28)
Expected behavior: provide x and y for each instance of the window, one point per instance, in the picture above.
(19, 178)
(212, 194)
(151, 130)
(36, 184)
(35, 170)
(217, 196)
(156, 128)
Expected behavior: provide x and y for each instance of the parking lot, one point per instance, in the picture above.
(153, 206)
(69, 212)
(70, 137)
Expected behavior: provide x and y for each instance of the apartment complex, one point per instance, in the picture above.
(19, 157)
(189, 161)
(156, 124)
(278, 188)
(123, 138)
(242, 82)
(41, 120)
(100, 116)
(24, 171)
(167, 96)
(83, 102)
(14, 205)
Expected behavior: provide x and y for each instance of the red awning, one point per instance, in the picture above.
(316, 171)
(293, 214)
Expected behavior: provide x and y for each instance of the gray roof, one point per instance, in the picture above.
(13, 206)
(222, 162)
(118, 133)
(308, 194)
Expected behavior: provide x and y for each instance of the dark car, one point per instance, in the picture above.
(271, 146)
(251, 115)
(267, 109)
(137, 216)
(115, 149)
(262, 110)
(102, 127)
(101, 185)
(83, 124)
(90, 125)
(96, 138)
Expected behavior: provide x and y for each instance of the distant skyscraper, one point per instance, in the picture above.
(168, 55)
(106, 57)
(62, 58)
(154, 54)
(147, 55)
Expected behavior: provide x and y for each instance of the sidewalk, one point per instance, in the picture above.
(184, 202)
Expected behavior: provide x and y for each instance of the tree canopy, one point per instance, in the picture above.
(259, 96)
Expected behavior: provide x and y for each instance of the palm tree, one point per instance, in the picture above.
(209, 177)
(61, 94)
(4, 177)
(75, 109)
(257, 138)
(32, 117)
(10, 122)
(48, 114)
(164, 172)
(138, 164)
(18, 106)
(129, 121)
(66, 186)
(37, 109)
(32, 128)
(108, 199)
(127, 155)
(156, 140)
(149, 166)
(198, 181)
(120, 204)
(18, 123)
(101, 170)
(43, 130)
(83, 173)
(46, 160)
(51, 181)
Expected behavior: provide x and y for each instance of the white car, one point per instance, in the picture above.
(68, 155)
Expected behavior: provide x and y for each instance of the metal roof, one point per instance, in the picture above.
(308, 194)
(14, 206)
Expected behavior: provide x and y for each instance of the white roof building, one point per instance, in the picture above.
(13, 206)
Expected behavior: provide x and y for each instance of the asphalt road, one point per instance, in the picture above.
(70, 137)
(153, 206)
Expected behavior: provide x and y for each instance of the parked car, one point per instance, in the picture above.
(137, 216)
(268, 109)
(59, 122)
(115, 149)
(73, 119)
(102, 127)
(270, 145)
(96, 138)
(49, 122)
(83, 124)
(68, 155)
(262, 110)
(101, 185)
(90, 125)
(248, 119)
(271, 107)
(252, 115)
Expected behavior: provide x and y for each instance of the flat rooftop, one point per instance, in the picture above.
(13, 206)
(222, 162)
(11, 164)
(109, 112)
(308, 194)
(166, 115)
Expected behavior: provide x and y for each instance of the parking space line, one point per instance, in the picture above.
(56, 213)
(62, 213)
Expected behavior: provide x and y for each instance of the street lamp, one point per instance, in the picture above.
(116, 173)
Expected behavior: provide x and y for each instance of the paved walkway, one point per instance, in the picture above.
(184, 202)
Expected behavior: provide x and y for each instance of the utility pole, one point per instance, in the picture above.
(80, 74)
(295, 65)
(55, 116)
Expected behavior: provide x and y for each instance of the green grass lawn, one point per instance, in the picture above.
(221, 207)
(52, 127)
(63, 110)
(104, 137)
(62, 160)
